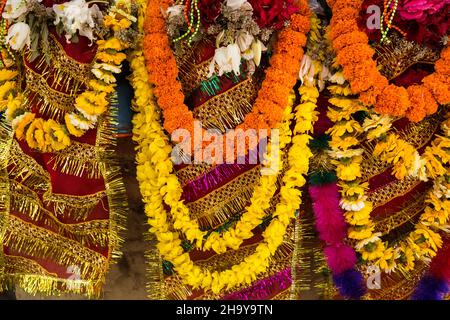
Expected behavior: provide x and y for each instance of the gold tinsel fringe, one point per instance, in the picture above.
(156, 286)
(39, 284)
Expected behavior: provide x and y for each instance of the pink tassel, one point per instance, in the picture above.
(329, 216)
(340, 257)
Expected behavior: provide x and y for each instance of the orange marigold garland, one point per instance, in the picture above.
(280, 76)
(354, 54)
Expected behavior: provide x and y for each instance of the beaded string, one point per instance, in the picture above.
(390, 8)
(192, 16)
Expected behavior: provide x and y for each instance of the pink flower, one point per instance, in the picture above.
(419, 10)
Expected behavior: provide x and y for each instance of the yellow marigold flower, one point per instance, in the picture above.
(116, 25)
(71, 128)
(348, 169)
(35, 135)
(115, 58)
(361, 217)
(6, 88)
(406, 257)
(423, 234)
(6, 74)
(56, 135)
(353, 189)
(345, 127)
(308, 93)
(387, 262)
(112, 43)
(361, 232)
(25, 121)
(373, 251)
(376, 126)
(14, 107)
(106, 76)
(98, 85)
(343, 143)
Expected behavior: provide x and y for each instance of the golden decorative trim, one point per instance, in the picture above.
(51, 102)
(280, 261)
(226, 200)
(79, 160)
(23, 265)
(24, 169)
(389, 192)
(6, 138)
(156, 286)
(191, 172)
(76, 207)
(36, 241)
(386, 224)
(112, 175)
(228, 109)
(397, 56)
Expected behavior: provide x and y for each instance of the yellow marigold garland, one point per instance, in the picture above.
(49, 135)
(153, 172)
(424, 241)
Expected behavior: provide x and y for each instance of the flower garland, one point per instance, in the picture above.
(355, 56)
(154, 167)
(424, 241)
(49, 135)
(272, 98)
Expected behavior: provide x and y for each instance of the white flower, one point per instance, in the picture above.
(227, 59)
(418, 163)
(15, 122)
(306, 74)
(349, 153)
(258, 48)
(374, 238)
(77, 16)
(14, 9)
(175, 10)
(18, 36)
(80, 124)
(244, 40)
(235, 4)
(107, 67)
(338, 78)
(353, 205)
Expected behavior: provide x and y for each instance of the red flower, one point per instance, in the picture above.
(209, 11)
(272, 13)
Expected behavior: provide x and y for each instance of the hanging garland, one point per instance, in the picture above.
(154, 169)
(354, 54)
(50, 135)
(272, 98)
(424, 241)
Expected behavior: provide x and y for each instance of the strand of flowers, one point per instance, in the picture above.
(152, 175)
(272, 97)
(424, 241)
(354, 54)
(331, 225)
(254, 213)
(49, 135)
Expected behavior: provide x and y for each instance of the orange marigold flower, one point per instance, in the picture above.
(393, 100)
(439, 86)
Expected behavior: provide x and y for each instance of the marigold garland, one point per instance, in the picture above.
(49, 135)
(354, 54)
(272, 98)
(424, 241)
(153, 175)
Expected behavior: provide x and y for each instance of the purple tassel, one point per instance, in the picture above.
(350, 284)
(430, 288)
